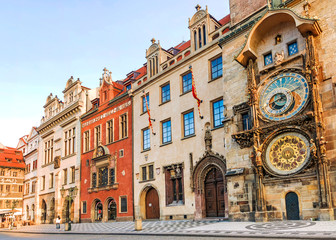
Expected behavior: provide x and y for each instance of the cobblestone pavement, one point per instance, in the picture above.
(284, 229)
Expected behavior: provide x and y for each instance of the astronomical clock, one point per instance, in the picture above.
(286, 150)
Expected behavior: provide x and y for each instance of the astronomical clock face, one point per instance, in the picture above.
(287, 153)
(284, 96)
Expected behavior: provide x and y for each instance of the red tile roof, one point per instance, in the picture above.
(13, 154)
(183, 46)
(225, 20)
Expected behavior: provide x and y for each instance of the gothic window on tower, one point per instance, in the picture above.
(243, 116)
(292, 48)
(174, 185)
(268, 59)
(103, 177)
(86, 141)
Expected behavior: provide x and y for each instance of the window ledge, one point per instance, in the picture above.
(68, 156)
(218, 127)
(190, 136)
(108, 187)
(148, 180)
(165, 144)
(174, 204)
(212, 80)
(45, 165)
(164, 102)
(88, 151)
(146, 150)
(143, 113)
(185, 93)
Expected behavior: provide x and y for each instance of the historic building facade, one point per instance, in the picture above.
(178, 135)
(30, 194)
(59, 154)
(12, 169)
(106, 162)
(280, 136)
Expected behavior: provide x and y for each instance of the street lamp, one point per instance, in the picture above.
(72, 192)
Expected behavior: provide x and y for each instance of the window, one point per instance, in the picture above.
(216, 68)
(204, 35)
(69, 141)
(166, 132)
(43, 183)
(21, 188)
(51, 180)
(8, 188)
(27, 188)
(28, 167)
(292, 48)
(73, 174)
(188, 124)
(121, 153)
(186, 82)
(147, 172)
(268, 59)
(103, 177)
(65, 176)
(97, 136)
(33, 187)
(84, 207)
(48, 151)
(109, 126)
(246, 121)
(165, 93)
(112, 176)
(174, 184)
(144, 106)
(123, 204)
(14, 174)
(86, 141)
(146, 139)
(123, 125)
(94, 179)
(2, 173)
(128, 87)
(1, 188)
(34, 164)
(218, 113)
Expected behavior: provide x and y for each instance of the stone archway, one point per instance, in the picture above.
(68, 210)
(97, 211)
(52, 211)
(211, 198)
(150, 203)
(292, 206)
(110, 209)
(33, 212)
(43, 211)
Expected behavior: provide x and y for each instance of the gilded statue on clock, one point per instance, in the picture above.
(287, 153)
(283, 96)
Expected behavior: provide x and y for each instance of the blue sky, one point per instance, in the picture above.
(44, 42)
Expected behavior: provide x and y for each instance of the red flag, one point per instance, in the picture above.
(194, 93)
(149, 116)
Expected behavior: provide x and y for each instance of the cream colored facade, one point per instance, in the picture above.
(30, 193)
(59, 153)
(182, 153)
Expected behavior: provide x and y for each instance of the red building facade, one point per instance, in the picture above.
(106, 161)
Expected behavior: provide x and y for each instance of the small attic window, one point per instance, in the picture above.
(8, 159)
(128, 87)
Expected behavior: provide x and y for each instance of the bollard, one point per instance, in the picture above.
(138, 224)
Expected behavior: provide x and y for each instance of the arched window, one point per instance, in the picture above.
(195, 39)
(199, 37)
(204, 35)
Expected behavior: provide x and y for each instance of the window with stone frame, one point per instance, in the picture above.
(188, 123)
(69, 141)
(147, 172)
(217, 108)
(94, 179)
(33, 187)
(109, 131)
(51, 180)
(123, 126)
(103, 177)
(165, 93)
(34, 164)
(145, 103)
(73, 174)
(146, 139)
(48, 151)
(65, 176)
(97, 136)
(216, 66)
(186, 82)
(21, 188)
(243, 116)
(43, 183)
(123, 204)
(174, 184)
(86, 141)
(166, 131)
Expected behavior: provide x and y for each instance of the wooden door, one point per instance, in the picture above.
(292, 206)
(214, 194)
(152, 204)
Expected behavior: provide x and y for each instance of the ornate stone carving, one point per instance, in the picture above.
(57, 162)
(208, 139)
(279, 57)
(244, 139)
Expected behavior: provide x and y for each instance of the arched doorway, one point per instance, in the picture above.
(214, 193)
(68, 210)
(33, 212)
(152, 204)
(111, 210)
(292, 206)
(27, 213)
(98, 211)
(52, 210)
(43, 212)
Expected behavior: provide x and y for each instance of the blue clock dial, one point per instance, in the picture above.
(283, 96)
